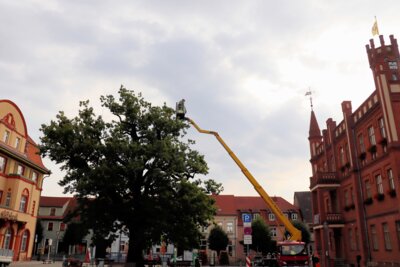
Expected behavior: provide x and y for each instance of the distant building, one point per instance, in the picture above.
(52, 213)
(356, 170)
(302, 200)
(230, 210)
(21, 180)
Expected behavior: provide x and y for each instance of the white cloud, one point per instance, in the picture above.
(243, 68)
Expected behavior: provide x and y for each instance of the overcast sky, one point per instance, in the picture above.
(242, 66)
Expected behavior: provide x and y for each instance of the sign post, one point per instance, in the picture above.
(247, 237)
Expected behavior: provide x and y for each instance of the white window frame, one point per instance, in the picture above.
(391, 179)
(273, 231)
(229, 227)
(386, 236)
(371, 135)
(7, 238)
(17, 142)
(382, 127)
(379, 185)
(23, 203)
(34, 176)
(24, 241)
(8, 199)
(271, 217)
(6, 136)
(2, 164)
(20, 169)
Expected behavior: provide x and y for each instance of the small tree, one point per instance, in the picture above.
(218, 240)
(74, 234)
(261, 236)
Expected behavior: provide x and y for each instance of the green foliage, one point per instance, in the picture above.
(261, 236)
(218, 240)
(74, 234)
(133, 172)
(305, 232)
(212, 187)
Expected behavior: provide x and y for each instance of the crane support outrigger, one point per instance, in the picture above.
(295, 234)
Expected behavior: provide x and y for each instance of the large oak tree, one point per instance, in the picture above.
(134, 172)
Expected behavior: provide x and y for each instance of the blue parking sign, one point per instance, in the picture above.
(246, 217)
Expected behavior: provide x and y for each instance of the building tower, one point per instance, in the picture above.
(384, 63)
(355, 179)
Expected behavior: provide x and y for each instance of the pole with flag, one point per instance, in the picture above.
(375, 30)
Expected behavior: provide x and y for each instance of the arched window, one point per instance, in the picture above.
(24, 200)
(24, 241)
(7, 239)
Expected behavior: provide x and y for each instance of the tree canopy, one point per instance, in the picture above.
(218, 240)
(261, 236)
(134, 172)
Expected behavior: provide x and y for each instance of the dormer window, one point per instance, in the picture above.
(393, 65)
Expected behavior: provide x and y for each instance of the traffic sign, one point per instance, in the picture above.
(246, 217)
(247, 230)
(247, 240)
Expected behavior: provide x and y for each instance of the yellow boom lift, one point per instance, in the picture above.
(295, 234)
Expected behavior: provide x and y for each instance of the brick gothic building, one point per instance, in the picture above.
(21, 180)
(356, 170)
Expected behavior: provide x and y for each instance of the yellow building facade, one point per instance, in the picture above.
(21, 180)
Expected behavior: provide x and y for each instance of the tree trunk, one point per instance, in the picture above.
(135, 249)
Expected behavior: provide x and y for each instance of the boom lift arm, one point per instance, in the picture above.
(294, 232)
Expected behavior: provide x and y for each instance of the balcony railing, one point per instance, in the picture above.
(330, 218)
(325, 178)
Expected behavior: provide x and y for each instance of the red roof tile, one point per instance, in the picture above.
(32, 152)
(53, 201)
(225, 204)
(230, 204)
